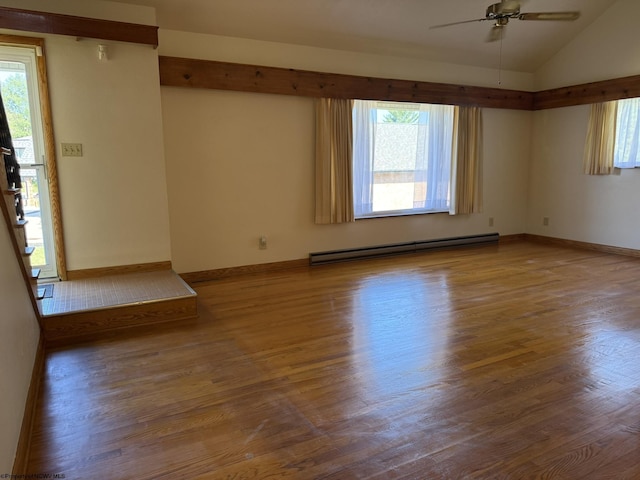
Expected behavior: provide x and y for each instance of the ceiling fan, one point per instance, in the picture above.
(500, 13)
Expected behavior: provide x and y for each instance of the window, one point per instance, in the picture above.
(401, 158)
(627, 148)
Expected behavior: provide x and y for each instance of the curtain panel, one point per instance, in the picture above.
(333, 167)
(601, 134)
(467, 161)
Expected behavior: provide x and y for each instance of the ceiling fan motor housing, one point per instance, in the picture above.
(503, 10)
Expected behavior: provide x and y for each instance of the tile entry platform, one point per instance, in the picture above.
(81, 308)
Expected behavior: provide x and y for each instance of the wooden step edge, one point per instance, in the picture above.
(72, 327)
(35, 273)
(28, 251)
(11, 190)
(21, 223)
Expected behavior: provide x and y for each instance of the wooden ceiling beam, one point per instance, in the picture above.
(192, 73)
(588, 93)
(54, 23)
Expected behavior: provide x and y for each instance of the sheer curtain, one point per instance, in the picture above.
(438, 155)
(364, 140)
(432, 163)
(334, 147)
(601, 134)
(467, 161)
(627, 146)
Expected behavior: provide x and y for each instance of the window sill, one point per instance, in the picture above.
(401, 213)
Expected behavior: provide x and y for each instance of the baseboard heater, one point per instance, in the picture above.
(320, 258)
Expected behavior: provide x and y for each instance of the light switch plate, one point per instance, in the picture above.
(71, 149)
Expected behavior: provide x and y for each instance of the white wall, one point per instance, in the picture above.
(590, 208)
(595, 209)
(114, 198)
(241, 165)
(19, 336)
(609, 48)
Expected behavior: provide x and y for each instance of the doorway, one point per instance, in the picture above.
(21, 88)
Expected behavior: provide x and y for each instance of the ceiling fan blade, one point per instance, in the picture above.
(458, 23)
(558, 16)
(496, 33)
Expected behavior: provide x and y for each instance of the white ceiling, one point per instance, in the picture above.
(396, 27)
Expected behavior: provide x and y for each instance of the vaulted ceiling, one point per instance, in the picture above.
(395, 27)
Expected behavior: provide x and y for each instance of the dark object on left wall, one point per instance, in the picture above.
(11, 164)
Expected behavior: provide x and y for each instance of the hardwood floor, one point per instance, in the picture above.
(518, 361)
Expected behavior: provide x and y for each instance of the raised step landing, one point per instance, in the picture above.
(82, 308)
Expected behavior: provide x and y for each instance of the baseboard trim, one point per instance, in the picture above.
(417, 246)
(596, 247)
(117, 270)
(519, 237)
(21, 462)
(208, 275)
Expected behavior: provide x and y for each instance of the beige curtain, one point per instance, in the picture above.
(601, 137)
(466, 195)
(334, 152)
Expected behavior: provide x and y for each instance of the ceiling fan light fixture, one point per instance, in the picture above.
(496, 33)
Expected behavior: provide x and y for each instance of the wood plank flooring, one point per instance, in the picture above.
(518, 361)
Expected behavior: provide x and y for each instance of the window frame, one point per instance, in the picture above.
(422, 108)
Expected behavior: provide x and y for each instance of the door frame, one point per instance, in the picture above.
(37, 44)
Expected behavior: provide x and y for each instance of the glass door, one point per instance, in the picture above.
(19, 86)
